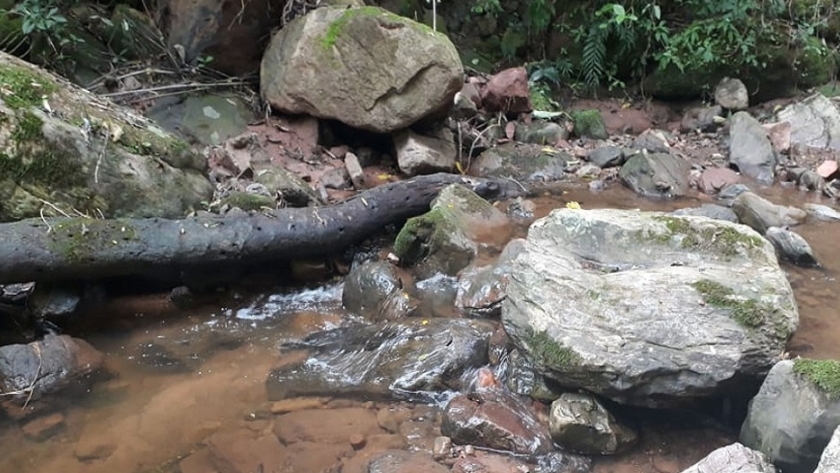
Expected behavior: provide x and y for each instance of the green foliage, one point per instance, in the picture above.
(486, 7)
(824, 374)
(42, 25)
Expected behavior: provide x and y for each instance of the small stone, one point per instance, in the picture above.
(588, 171)
(354, 168)
(810, 180)
(827, 169)
(732, 94)
(90, 448)
(713, 180)
(508, 92)
(606, 156)
(358, 441)
(469, 450)
(655, 141)
(442, 448)
(43, 428)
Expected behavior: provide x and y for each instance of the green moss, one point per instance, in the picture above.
(815, 63)
(336, 28)
(824, 374)
(723, 240)
(747, 312)
(548, 352)
(22, 88)
(417, 235)
(590, 124)
(80, 239)
(248, 201)
(29, 128)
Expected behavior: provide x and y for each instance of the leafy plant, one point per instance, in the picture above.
(42, 21)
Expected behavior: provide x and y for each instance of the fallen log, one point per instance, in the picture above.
(62, 249)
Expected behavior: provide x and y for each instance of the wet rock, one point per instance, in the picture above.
(732, 94)
(794, 414)
(200, 461)
(374, 290)
(703, 119)
(734, 458)
(411, 358)
(46, 366)
(654, 141)
(830, 459)
(606, 156)
(159, 358)
(239, 452)
(43, 428)
(297, 404)
(761, 214)
(444, 240)
(579, 423)
(54, 301)
(496, 421)
(442, 448)
(717, 212)
(436, 295)
(420, 154)
(540, 133)
(93, 446)
(822, 212)
(490, 462)
(523, 162)
(656, 175)
(481, 289)
(589, 124)
(399, 461)
(647, 308)
(815, 122)
(713, 180)
(565, 463)
(728, 194)
(508, 92)
(423, 65)
(521, 378)
(750, 149)
(791, 247)
(810, 180)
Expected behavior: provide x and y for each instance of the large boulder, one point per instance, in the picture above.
(750, 149)
(734, 458)
(366, 67)
(793, 416)
(647, 308)
(830, 459)
(660, 175)
(64, 148)
(814, 122)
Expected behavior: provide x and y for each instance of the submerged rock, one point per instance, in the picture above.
(734, 458)
(417, 357)
(647, 308)
(481, 290)
(761, 214)
(792, 247)
(822, 212)
(794, 414)
(399, 461)
(496, 421)
(578, 422)
(717, 212)
(375, 291)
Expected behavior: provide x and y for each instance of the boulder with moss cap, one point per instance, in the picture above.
(646, 308)
(366, 67)
(794, 414)
(62, 149)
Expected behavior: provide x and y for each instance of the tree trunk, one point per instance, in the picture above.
(80, 248)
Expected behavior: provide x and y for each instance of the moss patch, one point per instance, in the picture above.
(747, 312)
(725, 241)
(590, 124)
(548, 352)
(418, 235)
(248, 201)
(824, 374)
(80, 239)
(20, 88)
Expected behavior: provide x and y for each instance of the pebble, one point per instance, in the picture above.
(442, 448)
(358, 441)
(43, 428)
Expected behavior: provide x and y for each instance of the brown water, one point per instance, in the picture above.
(185, 384)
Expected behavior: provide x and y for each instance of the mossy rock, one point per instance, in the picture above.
(589, 124)
(824, 374)
(248, 201)
(88, 155)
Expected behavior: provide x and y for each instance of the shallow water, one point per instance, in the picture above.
(179, 377)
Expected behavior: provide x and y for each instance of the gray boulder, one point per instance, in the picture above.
(717, 212)
(366, 67)
(579, 423)
(750, 149)
(523, 162)
(732, 94)
(822, 212)
(387, 360)
(656, 175)
(647, 308)
(606, 156)
(540, 133)
(734, 458)
(815, 122)
(794, 414)
(830, 459)
(421, 154)
(65, 146)
(654, 141)
(761, 214)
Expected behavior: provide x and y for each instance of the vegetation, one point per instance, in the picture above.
(824, 374)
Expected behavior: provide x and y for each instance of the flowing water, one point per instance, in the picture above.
(186, 382)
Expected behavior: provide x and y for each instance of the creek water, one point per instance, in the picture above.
(185, 382)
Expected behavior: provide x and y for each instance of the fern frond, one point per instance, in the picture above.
(594, 55)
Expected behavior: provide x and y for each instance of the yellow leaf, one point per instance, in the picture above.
(383, 176)
(573, 205)
(460, 168)
(549, 150)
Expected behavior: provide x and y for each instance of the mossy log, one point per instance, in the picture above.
(80, 248)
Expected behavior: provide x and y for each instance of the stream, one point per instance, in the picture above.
(188, 383)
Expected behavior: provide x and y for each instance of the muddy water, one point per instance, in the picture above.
(185, 382)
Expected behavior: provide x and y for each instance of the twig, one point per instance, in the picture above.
(55, 208)
(31, 387)
(175, 86)
(43, 219)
